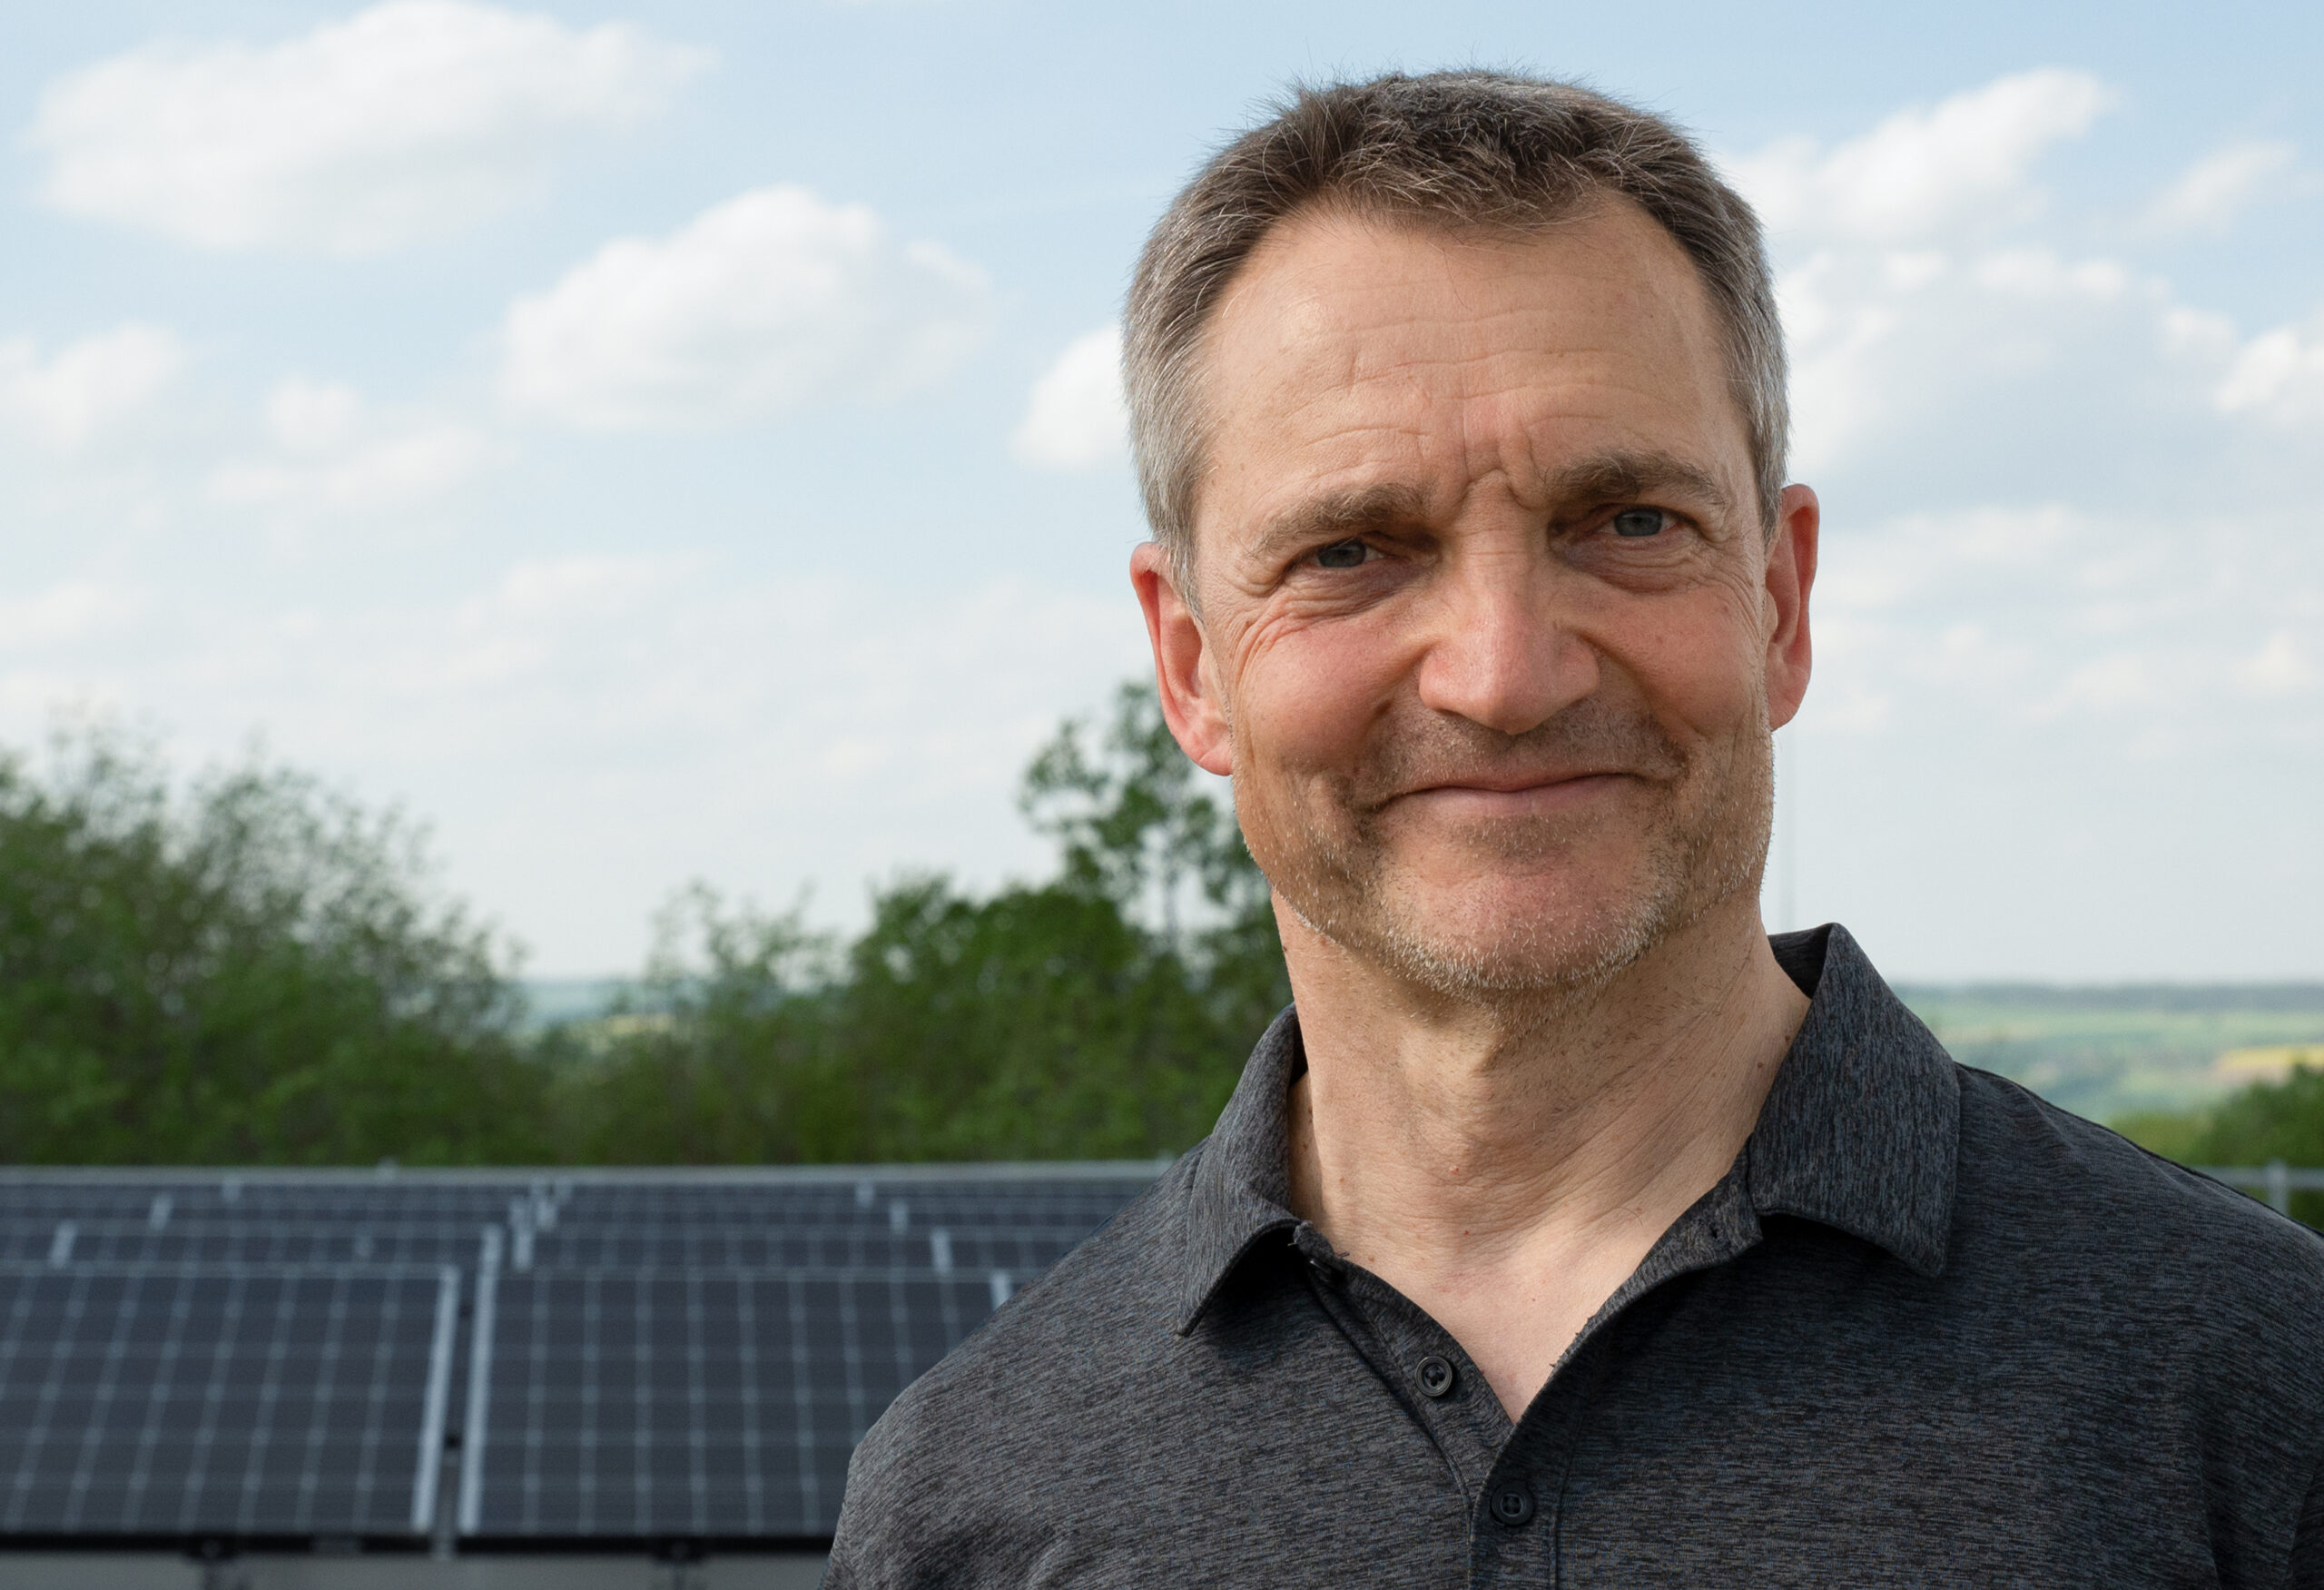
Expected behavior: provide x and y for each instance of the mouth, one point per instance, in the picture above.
(1515, 793)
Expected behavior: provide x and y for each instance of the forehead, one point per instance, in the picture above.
(1351, 353)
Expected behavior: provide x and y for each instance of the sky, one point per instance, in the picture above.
(657, 441)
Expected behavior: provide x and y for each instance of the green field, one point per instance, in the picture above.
(2109, 1051)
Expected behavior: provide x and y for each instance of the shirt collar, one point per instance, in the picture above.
(1240, 1193)
(1860, 1129)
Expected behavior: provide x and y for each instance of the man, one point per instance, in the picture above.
(1568, 1230)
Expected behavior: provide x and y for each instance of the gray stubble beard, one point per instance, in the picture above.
(1336, 876)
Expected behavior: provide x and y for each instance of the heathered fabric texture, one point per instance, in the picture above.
(1928, 1330)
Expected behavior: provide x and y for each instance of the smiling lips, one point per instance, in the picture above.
(1515, 793)
(1595, 749)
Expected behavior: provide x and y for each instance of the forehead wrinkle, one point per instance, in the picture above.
(1500, 409)
(1455, 392)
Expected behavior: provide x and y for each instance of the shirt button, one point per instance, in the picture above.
(1435, 1376)
(1512, 1505)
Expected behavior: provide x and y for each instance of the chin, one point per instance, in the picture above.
(1516, 942)
(1496, 936)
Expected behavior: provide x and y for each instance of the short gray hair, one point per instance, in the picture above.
(1462, 150)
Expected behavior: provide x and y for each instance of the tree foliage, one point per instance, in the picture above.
(2266, 1121)
(1083, 1017)
(251, 972)
(716, 1056)
(1129, 822)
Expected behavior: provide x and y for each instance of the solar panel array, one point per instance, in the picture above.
(501, 1358)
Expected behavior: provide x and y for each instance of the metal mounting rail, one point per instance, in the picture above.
(2275, 1179)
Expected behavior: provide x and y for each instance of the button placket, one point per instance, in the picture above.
(1400, 1343)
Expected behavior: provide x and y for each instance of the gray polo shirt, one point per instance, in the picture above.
(1928, 1330)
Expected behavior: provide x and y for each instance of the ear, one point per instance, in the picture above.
(1182, 670)
(1791, 573)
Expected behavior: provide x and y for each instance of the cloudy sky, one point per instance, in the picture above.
(666, 439)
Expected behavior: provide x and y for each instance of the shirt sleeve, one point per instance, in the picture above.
(871, 1546)
(921, 1511)
(2308, 1540)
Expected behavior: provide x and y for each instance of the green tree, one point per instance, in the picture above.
(1129, 822)
(2273, 1120)
(1132, 826)
(722, 1054)
(253, 969)
(1036, 1023)
(1085, 1017)
(249, 970)
(2267, 1120)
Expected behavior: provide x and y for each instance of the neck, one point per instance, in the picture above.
(1505, 1166)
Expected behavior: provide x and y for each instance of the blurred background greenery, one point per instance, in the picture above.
(246, 968)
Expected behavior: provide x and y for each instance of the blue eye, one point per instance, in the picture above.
(1340, 554)
(1637, 523)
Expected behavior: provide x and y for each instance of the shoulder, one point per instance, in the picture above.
(2097, 1207)
(932, 1490)
(2121, 1292)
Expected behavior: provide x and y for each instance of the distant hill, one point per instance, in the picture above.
(2102, 1051)
(2110, 1050)
(551, 1001)
(2295, 998)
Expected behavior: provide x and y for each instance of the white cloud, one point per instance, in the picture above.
(1980, 342)
(1916, 557)
(2117, 681)
(1915, 291)
(2280, 667)
(582, 588)
(408, 120)
(760, 306)
(67, 399)
(2003, 341)
(312, 417)
(549, 716)
(65, 614)
(2210, 193)
(1076, 418)
(2039, 273)
(521, 632)
(2112, 632)
(332, 455)
(2277, 376)
(1922, 173)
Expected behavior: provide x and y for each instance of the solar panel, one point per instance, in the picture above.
(509, 1359)
(242, 1401)
(239, 1242)
(942, 1248)
(705, 1403)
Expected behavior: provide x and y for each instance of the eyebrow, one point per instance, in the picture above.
(1626, 475)
(1630, 476)
(1336, 515)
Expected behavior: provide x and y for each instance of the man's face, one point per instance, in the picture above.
(1491, 639)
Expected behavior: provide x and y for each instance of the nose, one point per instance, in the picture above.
(1500, 657)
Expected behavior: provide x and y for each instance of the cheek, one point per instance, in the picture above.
(1700, 665)
(1306, 694)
